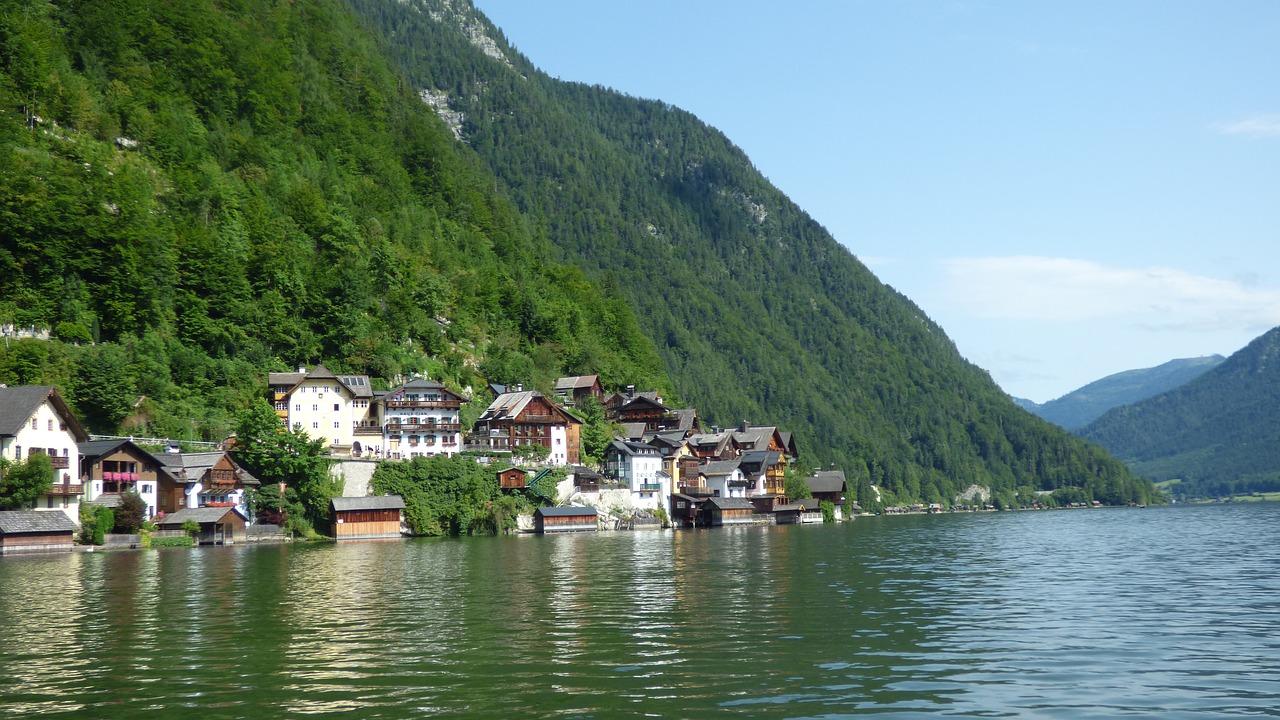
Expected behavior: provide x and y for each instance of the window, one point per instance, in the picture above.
(315, 408)
(335, 407)
(50, 423)
(17, 452)
(315, 425)
(282, 406)
(66, 501)
(297, 408)
(335, 424)
(35, 424)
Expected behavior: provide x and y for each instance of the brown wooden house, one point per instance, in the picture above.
(828, 485)
(571, 390)
(218, 525)
(201, 479)
(513, 478)
(719, 511)
(33, 531)
(375, 517)
(528, 417)
(565, 519)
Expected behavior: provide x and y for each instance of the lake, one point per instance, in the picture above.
(1168, 612)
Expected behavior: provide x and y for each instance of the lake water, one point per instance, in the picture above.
(1162, 612)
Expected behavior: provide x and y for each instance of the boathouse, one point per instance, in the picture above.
(513, 478)
(33, 531)
(728, 511)
(565, 519)
(375, 517)
(218, 525)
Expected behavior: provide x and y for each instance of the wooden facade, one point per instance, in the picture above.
(367, 518)
(33, 531)
(565, 519)
(513, 479)
(728, 511)
(572, 390)
(530, 418)
(218, 525)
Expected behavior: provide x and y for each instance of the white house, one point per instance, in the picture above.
(35, 420)
(724, 478)
(421, 418)
(342, 410)
(640, 467)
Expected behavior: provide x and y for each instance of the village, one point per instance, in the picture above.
(661, 469)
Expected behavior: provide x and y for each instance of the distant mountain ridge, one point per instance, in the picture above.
(1217, 433)
(1082, 406)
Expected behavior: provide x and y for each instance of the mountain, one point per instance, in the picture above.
(1216, 433)
(1081, 407)
(198, 192)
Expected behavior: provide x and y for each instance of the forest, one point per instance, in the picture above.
(197, 193)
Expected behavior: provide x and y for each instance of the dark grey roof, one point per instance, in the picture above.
(730, 503)
(585, 473)
(566, 511)
(718, 467)
(633, 431)
(111, 500)
(686, 419)
(634, 448)
(14, 522)
(370, 502)
(576, 381)
(17, 404)
(809, 503)
(827, 481)
(200, 515)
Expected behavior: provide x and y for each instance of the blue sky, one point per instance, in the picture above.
(1070, 189)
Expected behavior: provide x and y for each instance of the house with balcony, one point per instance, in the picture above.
(765, 471)
(723, 478)
(639, 466)
(342, 410)
(35, 420)
(420, 418)
(202, 479)
(527, 417)
(109, 468)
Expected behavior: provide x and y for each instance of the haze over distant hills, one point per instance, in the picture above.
(1217, 432)
(1084, 405)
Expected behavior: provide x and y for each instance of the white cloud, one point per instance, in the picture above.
(1256, 126)
(1043, 289)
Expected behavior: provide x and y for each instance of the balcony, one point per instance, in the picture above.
(399, 426)
(368, 430)
(60, 462)
(651, 487)
(66, 489)
(425, 404)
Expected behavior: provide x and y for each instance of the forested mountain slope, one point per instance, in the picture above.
(1217, 433)
(194, 193)
(1084, 405)
(755, 309)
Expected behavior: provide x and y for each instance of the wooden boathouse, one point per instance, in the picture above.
(218, 525)
(719, 511)
(548, 520)
(376, 517)
(33, 531)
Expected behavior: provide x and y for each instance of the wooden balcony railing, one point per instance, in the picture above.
(399, 426)
(428, 404)
(60, 462)
(71, 489)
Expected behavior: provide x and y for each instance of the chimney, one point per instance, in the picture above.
(302, 369)
(631, 389)
(745, 426)
(519, 387)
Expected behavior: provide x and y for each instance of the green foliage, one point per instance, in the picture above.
(597, 432)
(191, 528)
(183, 541)
(828, 509)
(1216, 433)
(130, 514)
(541, 491)
(447, 496)
(88, 523)
(104, 521)
(22, 482)
(794, 485)
(276, 455)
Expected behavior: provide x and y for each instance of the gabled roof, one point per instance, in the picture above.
(508, 406)
(581, 473)
(358, 385)
(628, 447)
(757, 460)
(754, 437)
(15, 522)
(98, 448)
(420, 385)
(371, 502)
(188, 467)
(18, 404)
(111, 500)
(633, 431)
(686, 419)
(827, 481)
(730, 503)
(718, 467)
(577, 381)
(200, 515)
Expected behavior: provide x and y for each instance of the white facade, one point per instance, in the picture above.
(559, 445)
(725, 484)
(46, 431)
(339, 410)
(421, 418)
(640, 467)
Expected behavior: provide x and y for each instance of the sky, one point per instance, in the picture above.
(1070, 189)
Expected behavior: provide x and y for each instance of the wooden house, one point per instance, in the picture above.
(513, 478)
(528, 417)
(585, 479)
(111, 467)
(367, 518)
(218, 525)
(686, 509)
(718, 511)
(571, 390)
(565, 519)
(32, 531)
(201, 479)
(828, 485)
